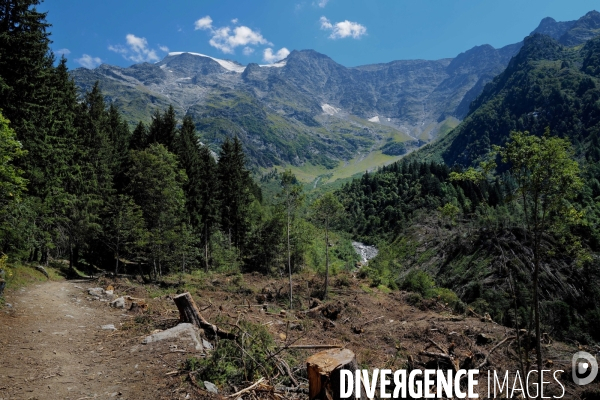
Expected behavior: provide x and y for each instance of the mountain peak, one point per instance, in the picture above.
(582, 30)
(549, 26)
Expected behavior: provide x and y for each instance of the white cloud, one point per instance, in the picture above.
(62, 52)
(164, 48)
(322, 3)
(88, 61)
(136, 50)
(227, 39)
(344, 29)
(325, 24)
(248, 50)
(203, 23)
(271, 57)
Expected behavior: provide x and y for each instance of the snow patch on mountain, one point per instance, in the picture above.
(228, 65)
(374, 119)
(279, 64)
(331, 110)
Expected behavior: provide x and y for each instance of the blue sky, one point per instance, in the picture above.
(352, 32)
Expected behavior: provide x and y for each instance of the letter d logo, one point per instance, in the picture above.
(585, 368)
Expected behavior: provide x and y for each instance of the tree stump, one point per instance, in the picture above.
(188, 312)
(324, 373)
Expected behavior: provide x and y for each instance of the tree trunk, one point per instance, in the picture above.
(117, 264)
(76, 256)
(326, 260)
(188, 312)
(536, 301)
(206, 248)
(289, 259)
(44, 259)
(324, 374)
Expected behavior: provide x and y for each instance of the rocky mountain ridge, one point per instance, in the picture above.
(309, 109)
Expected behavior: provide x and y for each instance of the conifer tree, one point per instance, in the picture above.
(163, 129)
(188, 153)
(139, 137)
(155, 183)
(234, 191)
(25, 65)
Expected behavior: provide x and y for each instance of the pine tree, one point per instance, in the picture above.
(155, 183)
(25, 65)
(163, 129)
(234, 191)
(119, 138)
(188, 153)
(139, 138)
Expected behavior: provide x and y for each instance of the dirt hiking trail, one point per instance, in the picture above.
(52, 346)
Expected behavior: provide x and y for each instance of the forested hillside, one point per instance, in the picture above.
(545, 85)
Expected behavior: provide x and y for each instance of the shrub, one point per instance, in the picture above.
(229, 364)
(414, 299)
(419, 282)
(446, 296)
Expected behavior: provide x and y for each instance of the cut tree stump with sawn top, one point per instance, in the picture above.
(324, 374)
(188, 312)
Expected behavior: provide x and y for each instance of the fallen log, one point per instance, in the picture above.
(324, 374)
(188, 312)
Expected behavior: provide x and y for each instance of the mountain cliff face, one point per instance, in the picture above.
(309, 109)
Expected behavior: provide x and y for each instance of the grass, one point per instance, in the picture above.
(357, 166)
(20, 275)
(447, 125)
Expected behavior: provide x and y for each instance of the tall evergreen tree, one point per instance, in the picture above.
(188, 153)
(155, 183)
(25, 65)
(163, 129)
(119, 138)
(139, 137)
(327, 211)
(234, 191)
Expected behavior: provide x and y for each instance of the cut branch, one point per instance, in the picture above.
(485, 360)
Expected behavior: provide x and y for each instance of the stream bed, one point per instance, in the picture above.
(365, 252)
